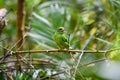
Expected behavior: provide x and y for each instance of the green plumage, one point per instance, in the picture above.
(61, 39)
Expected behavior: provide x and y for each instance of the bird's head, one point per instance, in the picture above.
(61, 30)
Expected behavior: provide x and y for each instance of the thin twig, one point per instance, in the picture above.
(76, 66)
(34, 59)
(52, 75)
(94, 61)
(3, 39)
(10, 50)
(57, 50)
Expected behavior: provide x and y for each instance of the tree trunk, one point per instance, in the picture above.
(20, 24)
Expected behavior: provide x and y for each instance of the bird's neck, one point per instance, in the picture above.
(61, 32)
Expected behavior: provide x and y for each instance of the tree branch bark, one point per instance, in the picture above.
(20, 24)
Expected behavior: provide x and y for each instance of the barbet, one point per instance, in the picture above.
(61, 38)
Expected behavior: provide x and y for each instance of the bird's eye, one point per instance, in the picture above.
(60, 29)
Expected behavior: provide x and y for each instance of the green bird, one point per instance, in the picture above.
(61, 38)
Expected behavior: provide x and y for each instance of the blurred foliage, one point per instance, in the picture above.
(92, 25)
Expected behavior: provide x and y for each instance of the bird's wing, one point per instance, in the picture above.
(64, 38)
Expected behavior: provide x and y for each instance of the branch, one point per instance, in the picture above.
(94, 61)
(57, 50)
(47, 77)
(41, 61)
